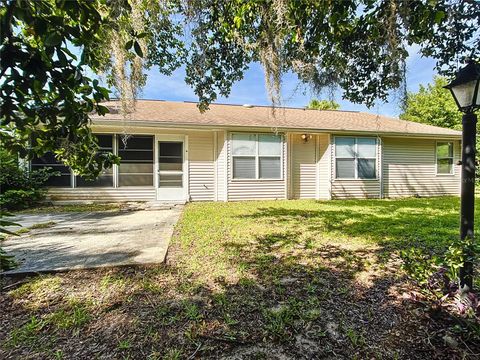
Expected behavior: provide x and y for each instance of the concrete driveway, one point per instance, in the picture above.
(89, 240)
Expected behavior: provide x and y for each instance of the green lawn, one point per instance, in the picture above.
(258, 280)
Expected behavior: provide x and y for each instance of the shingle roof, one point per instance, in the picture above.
(221, 115)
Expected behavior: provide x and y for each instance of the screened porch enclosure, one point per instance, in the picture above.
(136, 166)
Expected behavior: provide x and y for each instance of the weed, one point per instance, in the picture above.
(173, 354)
(124, 345)
(44, 225)
(191, 311)
(27, 333)
(356, 339)
(75, 317)
(24, 230)
(220, 298)
(38, 287)
(279, 320)
(109, 281)
(72, 208)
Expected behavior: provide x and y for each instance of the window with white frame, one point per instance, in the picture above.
(355, 158)
(444, 153)
(257, 156)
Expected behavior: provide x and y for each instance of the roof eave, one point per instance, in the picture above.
(153, 123)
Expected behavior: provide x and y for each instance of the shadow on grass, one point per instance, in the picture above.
(292, 293)
(392, 226)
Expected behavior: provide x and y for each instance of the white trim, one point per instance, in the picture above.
(453, 158)
(289, 181)
(356, 178)
(330, 166)
(225, 165)
(380, 164)
(215, 164)
(257, 157)
(115, 166)
(286, 168)
(317, 167)
(185, 167)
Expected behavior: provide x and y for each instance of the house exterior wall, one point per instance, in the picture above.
(201, 163)
(304, 169)
(405, 167)
(239, 189)
(221, 165)
(310, 167)
(409, 168)
(324, 166)
(123, 194)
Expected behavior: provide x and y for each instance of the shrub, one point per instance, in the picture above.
(6, 261)
(438, 278)
(20, 189)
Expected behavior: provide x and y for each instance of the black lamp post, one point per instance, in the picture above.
(466, 92)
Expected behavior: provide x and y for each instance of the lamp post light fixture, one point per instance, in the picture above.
(466, 92)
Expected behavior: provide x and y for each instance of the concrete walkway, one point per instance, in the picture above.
(89, 240)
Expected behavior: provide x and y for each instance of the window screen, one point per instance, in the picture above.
(105, 179)
(136, 160)
(355, 158)
(257, 156)
(170, 164)
(444, 158)
(48, 161)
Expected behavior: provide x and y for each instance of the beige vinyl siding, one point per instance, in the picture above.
(324, 166)
(355, 188)
(201, 175)
(256, 189)
(303, 167)
(122, 194)
(409, 168)
(221, 165)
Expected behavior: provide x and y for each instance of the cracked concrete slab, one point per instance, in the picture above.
(89, 240)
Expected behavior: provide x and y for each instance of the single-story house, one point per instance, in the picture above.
(174, 153)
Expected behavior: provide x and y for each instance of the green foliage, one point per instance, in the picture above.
(432, 105)
(323, 105)
(419, 265)
(44, 92)
(438, 272)
(359, 46)
(27, 333)
(19, 188)
(7, 262)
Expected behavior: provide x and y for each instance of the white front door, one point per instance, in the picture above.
(170, 165)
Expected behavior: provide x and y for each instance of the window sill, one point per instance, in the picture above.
(441, 175)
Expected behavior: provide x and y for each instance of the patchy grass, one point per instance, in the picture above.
(254, 280)
(48, 208)
(44, 225)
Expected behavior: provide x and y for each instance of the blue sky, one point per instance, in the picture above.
(251, 90)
